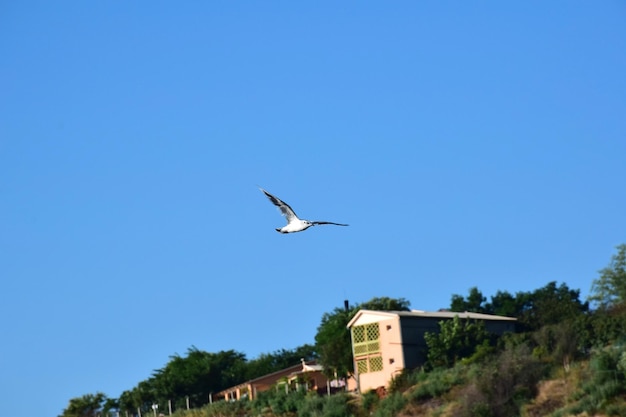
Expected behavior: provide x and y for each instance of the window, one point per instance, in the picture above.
(361, 365)
(366, 345)
(366, 339)
(376, 363)
(369, 364)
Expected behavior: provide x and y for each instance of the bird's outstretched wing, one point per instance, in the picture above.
(336, 224)
(286, 211)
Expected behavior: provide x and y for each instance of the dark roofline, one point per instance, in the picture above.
(427, 314)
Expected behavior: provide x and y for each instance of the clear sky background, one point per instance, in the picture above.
(466, 144)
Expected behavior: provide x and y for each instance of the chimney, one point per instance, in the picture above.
(346, 305)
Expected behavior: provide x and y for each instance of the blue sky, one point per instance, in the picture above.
(466, 144)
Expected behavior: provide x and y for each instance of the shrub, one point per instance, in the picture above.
(279, 402)
(606, 325)
(290, 403)
(334, 406)
(338, 405)
(436, 383)
(604, 386)
(621, 365)
(456, 339)
(312, 407)
(606, 379)
(502, 387)
(406, 379)
(224, 409)
(391, 406)
(369, 400)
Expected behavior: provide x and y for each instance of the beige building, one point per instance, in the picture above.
(305, 375)
(386, 342)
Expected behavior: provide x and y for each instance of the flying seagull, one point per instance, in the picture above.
(294, 224)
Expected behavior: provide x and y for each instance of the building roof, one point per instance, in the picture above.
(303, 367)
(372, 316)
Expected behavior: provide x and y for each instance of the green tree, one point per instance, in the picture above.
(559, 343)
(266, 363)
(127, 402)
(548, 305)
(607, 323)
(144, 395)
(544, 306)
(89, 405)
(110, 404)
(332, 340)
(506, 304)
(385, 304)
(196, 375)
(609, 289)
(456, 339)
(473, 302)
(503, 385)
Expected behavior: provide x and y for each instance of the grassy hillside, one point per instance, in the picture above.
(514, 382)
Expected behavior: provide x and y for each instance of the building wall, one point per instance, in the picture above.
(257, 385)
(500, 327)
(414, 347)
(389, 356)
(401, 346)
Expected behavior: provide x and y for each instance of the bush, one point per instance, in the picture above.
(621, 365)
(391, 406)
(338, 405)
(502, 387)
(406, 379)
(283, 403)
(369, 400)
(333, 406)
(606, 326)
(456, 339)
(225, 409)
(604, 386)
(436, 383)
(607, 381)
(312, 407)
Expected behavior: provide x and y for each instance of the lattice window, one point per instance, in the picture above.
(360, 349)
(366, 347)
(373, 331)
(370, 364)
(366, 339)
(376, 363)
(358, 334)
(361, 366)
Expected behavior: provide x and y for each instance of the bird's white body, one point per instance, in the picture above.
(294, 224)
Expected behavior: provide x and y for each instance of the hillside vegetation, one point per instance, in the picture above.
(567, 359)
